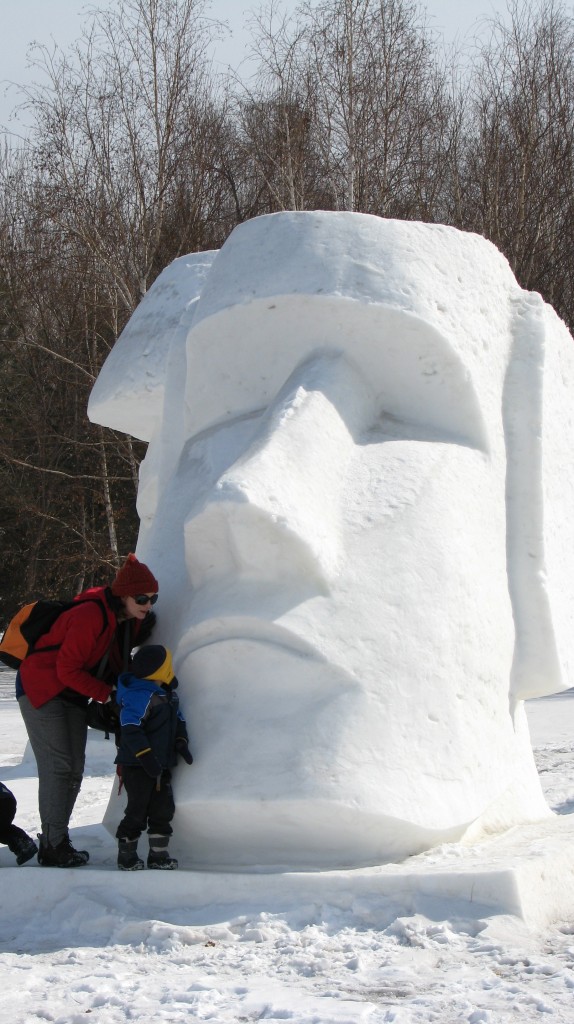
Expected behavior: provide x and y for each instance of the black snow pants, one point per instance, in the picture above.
(150, 804)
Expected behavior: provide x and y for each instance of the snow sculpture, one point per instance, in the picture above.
(358, 500)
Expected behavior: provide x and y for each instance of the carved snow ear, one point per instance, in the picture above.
(129, 391)
(538, 420)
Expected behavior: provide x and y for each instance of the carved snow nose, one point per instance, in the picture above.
(274, 515)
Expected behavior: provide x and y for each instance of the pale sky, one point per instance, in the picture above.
(45, 21)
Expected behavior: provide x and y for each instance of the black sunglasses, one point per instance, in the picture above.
(146, 599)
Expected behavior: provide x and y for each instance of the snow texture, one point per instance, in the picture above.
(356, 504)
(408, 944)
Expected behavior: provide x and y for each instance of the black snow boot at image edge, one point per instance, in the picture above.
(23, 847)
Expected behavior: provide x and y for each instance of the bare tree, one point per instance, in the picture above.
(517, 177)
(137, 154)
(273, 112)
(52, 481)
(123, 108)
(118, 176)
(381, 111)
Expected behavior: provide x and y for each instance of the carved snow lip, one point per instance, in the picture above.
(219, 630)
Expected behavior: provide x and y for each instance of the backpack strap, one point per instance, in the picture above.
(76, 604)
(100, 603)
(127, 645)
(103, 662)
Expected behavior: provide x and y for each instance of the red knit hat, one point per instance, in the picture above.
(134, 578)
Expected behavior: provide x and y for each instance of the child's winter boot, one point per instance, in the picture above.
(158, 856)
(128, 859)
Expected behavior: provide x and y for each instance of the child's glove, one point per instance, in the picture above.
(183, 749)
(111, 706)
(150, 764)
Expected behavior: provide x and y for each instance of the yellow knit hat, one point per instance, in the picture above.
(154, 662)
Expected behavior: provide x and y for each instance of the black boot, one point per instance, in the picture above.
(128, 859)
(22, 845)
(81, 853)
(158, 856)
(62, 855)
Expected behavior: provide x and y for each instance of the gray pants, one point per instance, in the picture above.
(57, 732)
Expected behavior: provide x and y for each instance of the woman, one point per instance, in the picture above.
(78, 659)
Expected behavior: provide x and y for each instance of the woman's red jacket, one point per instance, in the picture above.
(79, 638)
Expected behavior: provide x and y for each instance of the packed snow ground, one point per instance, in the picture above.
(79, 943)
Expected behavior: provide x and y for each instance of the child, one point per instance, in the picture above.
(153, 733)
(15, 838)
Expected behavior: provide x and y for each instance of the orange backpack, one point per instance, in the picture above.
(29, 624)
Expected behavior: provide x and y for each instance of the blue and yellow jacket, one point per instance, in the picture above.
(150, 720)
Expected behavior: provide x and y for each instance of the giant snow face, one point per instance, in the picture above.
(357, 499)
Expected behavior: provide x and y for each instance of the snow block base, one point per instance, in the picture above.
(527, 872)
